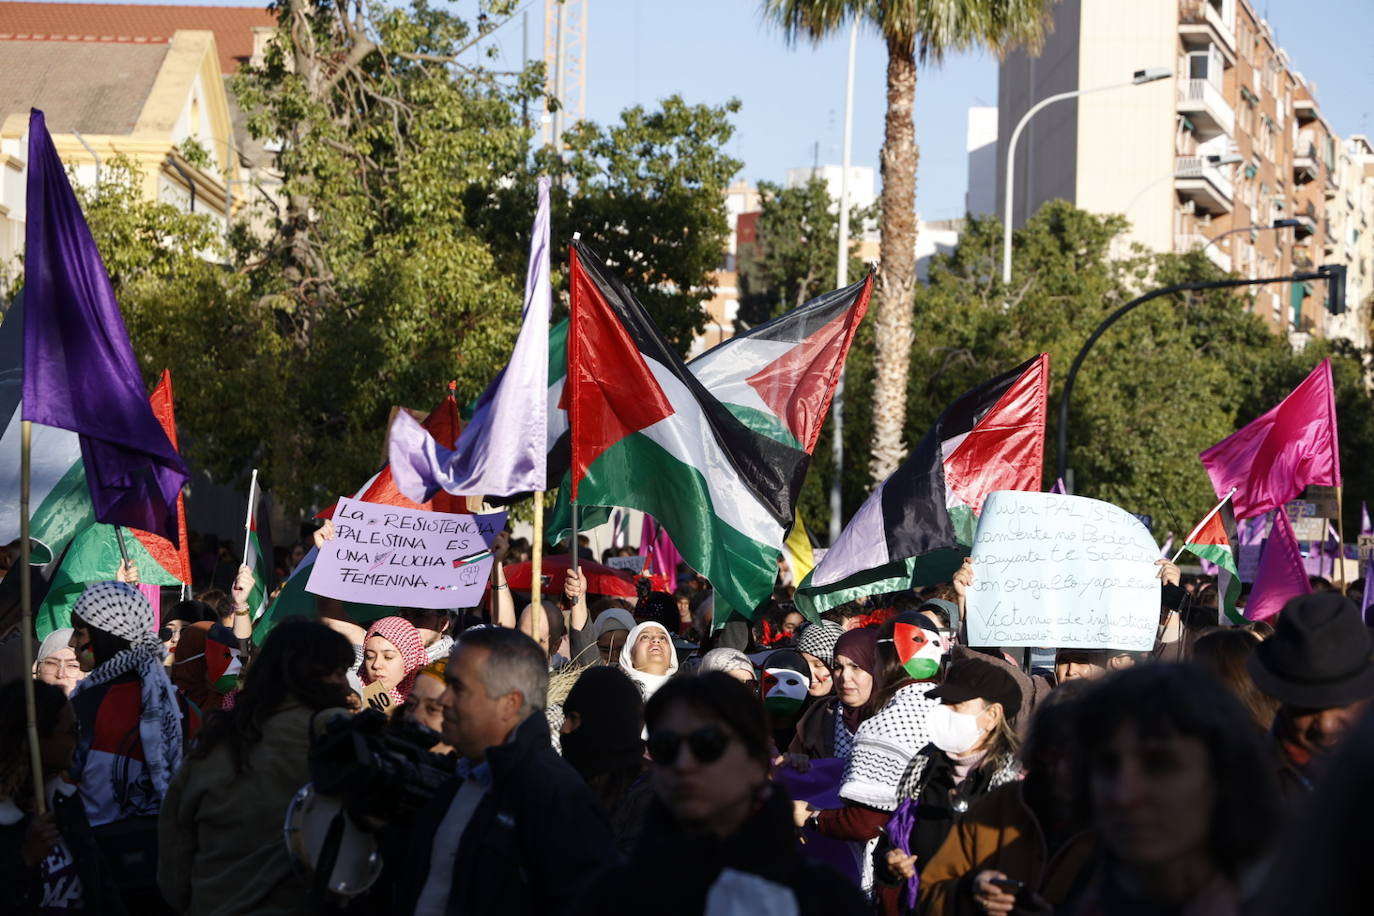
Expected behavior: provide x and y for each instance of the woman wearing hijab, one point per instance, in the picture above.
(717, 824)
(610, 630)
(56, 663)
(973, 749)
(221, 847)
(828, 727)
(603, 719)
(892, 733)
(393, 654)
(128, 703)
(732, 662)
(205, 664)
(816, 643)
(649, 657)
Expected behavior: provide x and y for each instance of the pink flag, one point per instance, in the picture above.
(1270, 460)
(1281, 572)
(665, 557)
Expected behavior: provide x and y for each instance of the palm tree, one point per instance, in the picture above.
(913, 30)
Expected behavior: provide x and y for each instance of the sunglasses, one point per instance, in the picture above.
(707, 744)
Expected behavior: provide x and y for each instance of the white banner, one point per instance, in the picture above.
(398, 557)
(1065, 571)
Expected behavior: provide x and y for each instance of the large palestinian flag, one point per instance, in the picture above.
(778, 379)
(648, 435)
(991, 438)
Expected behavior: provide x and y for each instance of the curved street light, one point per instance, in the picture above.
(1148, 75)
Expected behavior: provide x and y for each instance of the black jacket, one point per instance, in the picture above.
(536, 840)
(671, 873)
(24, 888)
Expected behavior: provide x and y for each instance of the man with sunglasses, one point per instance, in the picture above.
(517, 830)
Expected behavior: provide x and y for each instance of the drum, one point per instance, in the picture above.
(321, 837)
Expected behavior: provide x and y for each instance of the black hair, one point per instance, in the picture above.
(192, 611)
(292, 663)
(1164, 700)
(721, 697)
(1053, 722)
(48, 700)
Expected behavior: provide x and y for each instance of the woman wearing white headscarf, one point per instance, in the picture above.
(56, 663)
(649, 657)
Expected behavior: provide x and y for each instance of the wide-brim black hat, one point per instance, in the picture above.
(1319, 656)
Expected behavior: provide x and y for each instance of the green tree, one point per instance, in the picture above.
(913, 30)
(646, 193)
(792, 258)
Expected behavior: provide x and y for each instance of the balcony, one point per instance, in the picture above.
(1207, 186)
(1199, 23)
(1203, 105)
(1191, 241)
(1305, 164)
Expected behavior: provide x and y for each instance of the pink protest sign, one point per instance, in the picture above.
(388, 555)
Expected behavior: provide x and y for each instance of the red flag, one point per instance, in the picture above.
(176, 559)
(1272, 459)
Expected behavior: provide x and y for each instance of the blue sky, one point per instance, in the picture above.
(793, 97)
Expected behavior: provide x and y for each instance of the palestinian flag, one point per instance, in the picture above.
(92, 554)
(648, 435)
(1213, 540)
(777, 379)
(252, 553)
(59, 499)
(918, 523)
(444, 424)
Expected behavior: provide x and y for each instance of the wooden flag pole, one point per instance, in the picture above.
(537, 568)
(26, 622)
(1340, 535)
(248, 521)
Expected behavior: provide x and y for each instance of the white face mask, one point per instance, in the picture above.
(952, 732)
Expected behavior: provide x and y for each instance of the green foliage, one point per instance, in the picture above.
(792, 258)
(1170, 379)
(646, 194)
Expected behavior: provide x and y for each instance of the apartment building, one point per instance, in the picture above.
(1211, 158)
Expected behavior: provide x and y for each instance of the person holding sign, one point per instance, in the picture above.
(393, 654)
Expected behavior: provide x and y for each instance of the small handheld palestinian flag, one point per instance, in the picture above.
(1212, 540)
(252, 552)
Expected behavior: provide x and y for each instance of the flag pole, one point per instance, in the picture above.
(248, 519)
(1205, 519)
(537, 568)
(1340, 535)
(26, 622)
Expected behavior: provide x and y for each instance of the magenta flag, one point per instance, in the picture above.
(1282, 574)
(1270, 460)
(665, 558)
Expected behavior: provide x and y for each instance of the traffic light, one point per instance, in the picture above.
(1335, 287)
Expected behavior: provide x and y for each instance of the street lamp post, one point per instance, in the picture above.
(1276, 224)
(841, 281)
(1148, 75)
(1332, 273)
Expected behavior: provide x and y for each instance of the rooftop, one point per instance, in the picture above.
(95, 88)
(134, 24)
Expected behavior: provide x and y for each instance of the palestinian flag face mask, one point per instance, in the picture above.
(222, 664)
(918, 649)
(784, 690)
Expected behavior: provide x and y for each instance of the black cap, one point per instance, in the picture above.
(971, 677)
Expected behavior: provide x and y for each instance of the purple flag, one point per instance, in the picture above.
(1365, 528)
(1281, 572)
(1059, 487)
(80, 372)
(503, 450)
(1270, 460)
(1368, 601)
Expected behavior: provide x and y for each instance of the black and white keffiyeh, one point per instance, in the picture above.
(885, 748)
(120, 609)
(844, 738)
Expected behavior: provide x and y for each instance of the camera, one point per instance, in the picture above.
(383, 769)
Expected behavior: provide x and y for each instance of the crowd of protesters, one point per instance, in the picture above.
(598, 755)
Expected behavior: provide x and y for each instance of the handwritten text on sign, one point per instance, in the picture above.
(1065, 571)
(405, 557)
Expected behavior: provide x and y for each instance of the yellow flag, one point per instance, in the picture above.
(797, 548)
